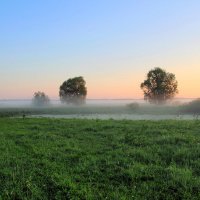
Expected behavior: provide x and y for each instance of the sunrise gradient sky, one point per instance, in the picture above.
(111, 43)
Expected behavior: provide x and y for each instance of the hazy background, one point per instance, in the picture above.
(111, 43)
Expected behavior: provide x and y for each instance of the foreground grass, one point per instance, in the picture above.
(94, 159)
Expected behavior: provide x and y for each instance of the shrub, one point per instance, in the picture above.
(192, 107)
(133, 106)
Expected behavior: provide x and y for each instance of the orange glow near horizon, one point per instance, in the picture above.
(188, 86)
(118, 85)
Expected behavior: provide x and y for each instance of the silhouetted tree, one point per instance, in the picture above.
(159, 86)
(40, 99)
(73, 91)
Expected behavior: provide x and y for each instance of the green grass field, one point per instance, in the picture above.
(99, 159)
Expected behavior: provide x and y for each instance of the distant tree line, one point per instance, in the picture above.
(159, 87)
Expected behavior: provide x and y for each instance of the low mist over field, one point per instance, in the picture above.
(104, 109)
(89, 102)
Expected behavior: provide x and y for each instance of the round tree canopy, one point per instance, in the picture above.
(159, 86)
(73, 91)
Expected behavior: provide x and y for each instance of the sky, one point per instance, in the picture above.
(111, 43)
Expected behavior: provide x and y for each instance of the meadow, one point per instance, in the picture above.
(45, 158)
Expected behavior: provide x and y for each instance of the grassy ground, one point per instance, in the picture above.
(96, 159)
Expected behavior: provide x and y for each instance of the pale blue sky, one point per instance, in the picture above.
(112, 43)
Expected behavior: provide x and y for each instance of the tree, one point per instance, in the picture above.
(73, 91)
(159, 86)
(40, 99)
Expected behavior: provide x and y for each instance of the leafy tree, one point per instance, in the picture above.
(159, 86)
(40, 99)
(73, 91)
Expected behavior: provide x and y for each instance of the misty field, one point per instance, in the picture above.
(99, 159)
(129, 111)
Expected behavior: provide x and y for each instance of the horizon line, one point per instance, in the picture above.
(28, 99)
